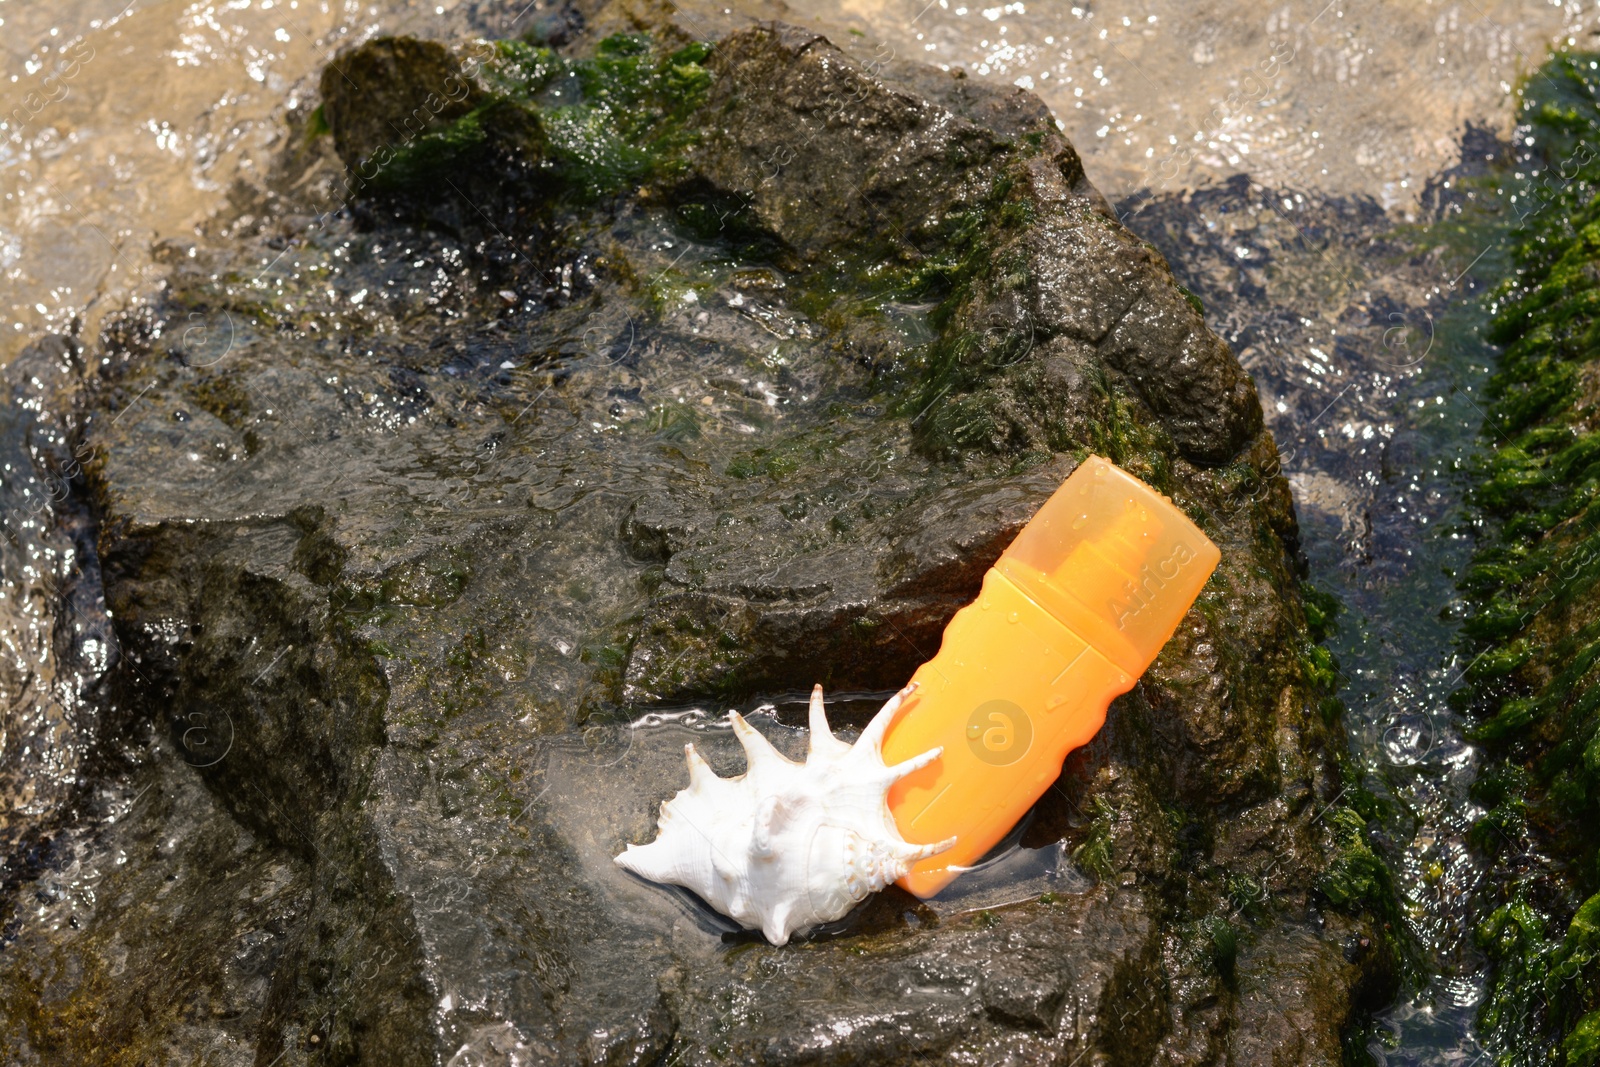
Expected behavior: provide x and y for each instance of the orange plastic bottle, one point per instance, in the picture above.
(1069, 617)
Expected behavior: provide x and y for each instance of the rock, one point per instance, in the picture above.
(830, 157)
(391, 91)
(455, 576)
(52, 614)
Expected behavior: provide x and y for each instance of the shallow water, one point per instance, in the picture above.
(1350, 97)
(130, 124)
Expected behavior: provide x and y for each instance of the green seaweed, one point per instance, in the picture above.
(1551, 1000)
(1532, 693)
(599, 124)
(1357, 880)
(973, 262)
(1094, 853)
(1223, 945)
(316, 124)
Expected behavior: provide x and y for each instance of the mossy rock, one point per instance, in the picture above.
(1533, 693)
(475, 495)
(385, 95)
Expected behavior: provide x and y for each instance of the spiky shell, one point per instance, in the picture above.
(787, 845)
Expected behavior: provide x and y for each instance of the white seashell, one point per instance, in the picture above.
(787, 845)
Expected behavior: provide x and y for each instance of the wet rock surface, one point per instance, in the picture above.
(432, 528)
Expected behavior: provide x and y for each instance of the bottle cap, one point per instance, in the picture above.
(1114, 560)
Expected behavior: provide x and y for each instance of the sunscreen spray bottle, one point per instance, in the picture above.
(1069, 618)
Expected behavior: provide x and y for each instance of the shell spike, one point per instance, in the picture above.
(823, 743)
(700, 772)
(757, 749)
(819, 716)
(912, 765)
(776, 927)
(922, 852)
(647, 861)
(872, 736)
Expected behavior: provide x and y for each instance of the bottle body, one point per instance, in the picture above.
(1035, 691)
(1068, 618)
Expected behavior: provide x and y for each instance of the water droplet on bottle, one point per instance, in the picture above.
(1077, 523)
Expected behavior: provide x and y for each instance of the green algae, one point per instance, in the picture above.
(596, 125)
(974, 263)
(1533, 687)
(1357, 879)
(1095, 852)
(461, 145)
